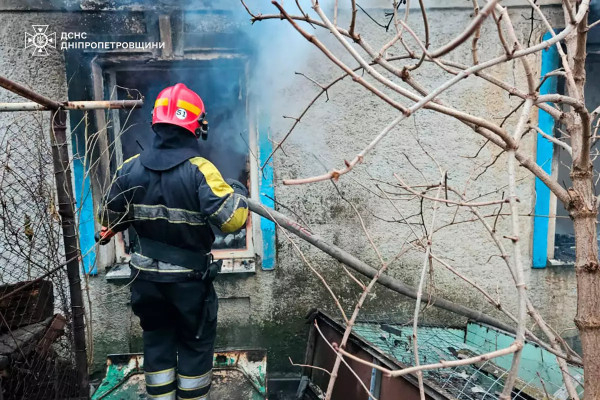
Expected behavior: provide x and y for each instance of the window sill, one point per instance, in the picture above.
(238, 265)
(118, 273)
(560, 263)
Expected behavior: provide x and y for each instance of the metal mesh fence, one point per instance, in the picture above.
(36, 335)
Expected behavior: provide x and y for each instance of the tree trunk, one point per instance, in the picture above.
(584, 213)
(582, 207)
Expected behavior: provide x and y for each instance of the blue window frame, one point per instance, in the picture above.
(544, 154)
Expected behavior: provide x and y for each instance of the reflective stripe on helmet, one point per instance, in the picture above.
(161, 102)
(183, 107)
(188, 106)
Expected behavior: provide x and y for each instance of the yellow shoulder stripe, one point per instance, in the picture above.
(128, 160)
(237, 220)
(213, 177)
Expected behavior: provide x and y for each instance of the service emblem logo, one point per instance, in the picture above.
(40, 40)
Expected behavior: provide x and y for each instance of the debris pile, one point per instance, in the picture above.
(31, 365)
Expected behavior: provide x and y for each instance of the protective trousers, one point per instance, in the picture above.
(177, 362)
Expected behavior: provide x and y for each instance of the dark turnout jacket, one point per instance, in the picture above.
(170, 207)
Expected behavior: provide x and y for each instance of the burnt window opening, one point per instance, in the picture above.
(221, 85)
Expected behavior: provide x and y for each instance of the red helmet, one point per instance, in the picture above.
(178, 105)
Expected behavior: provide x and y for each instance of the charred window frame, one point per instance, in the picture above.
(130, 131)
(190, 39)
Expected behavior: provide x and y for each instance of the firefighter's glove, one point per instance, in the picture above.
(103, 237)
(212, 270)
(237, 187)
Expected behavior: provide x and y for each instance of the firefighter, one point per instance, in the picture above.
(170, 195)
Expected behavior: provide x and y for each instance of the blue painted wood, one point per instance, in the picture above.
(373, 386)
(545, 148)
(78, 73)
(85, 210)
(267, 194)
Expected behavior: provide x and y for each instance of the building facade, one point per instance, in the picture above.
(248, 77)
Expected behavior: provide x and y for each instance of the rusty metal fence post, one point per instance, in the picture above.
(66, 200)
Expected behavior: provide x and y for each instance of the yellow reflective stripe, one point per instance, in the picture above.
(159, 372)
(170, 395)
(145, 212)
(193, 377)
(161, 102)
(170, 208)
(158, 384)
(128, 160)
(188, 106)
(173, 222)
(221, 207)
(236, 221)
(213, 177)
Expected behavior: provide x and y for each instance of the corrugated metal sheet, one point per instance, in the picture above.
(538, 374)
(390, 344)
(347, 386)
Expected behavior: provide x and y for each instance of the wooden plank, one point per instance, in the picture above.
(164, 25)
(54, 331)
(20, 341)
(32, 304)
